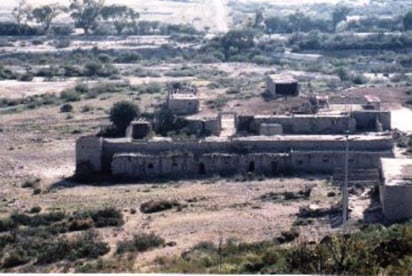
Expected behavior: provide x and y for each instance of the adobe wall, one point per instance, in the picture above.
(186, 165)
(89, 151)
(270, 129)
(366, 119)
(146, 166)
(254, 144)
(304, 124)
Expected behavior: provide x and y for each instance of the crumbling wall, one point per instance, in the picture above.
(89, 154)
(190, 165)
(270, 129)
(183, 105)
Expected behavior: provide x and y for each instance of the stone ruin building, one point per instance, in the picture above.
(271, 145)
(182, 98)
(281, 85)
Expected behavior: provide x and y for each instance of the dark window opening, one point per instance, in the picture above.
(174, 164)
(325, 160)
(251, 166)
(202, 169)
(300, 162)
(150, 166)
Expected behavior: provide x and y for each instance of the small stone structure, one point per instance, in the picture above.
(182, 99)
(396, 188)
(281, 85)
(138, 129)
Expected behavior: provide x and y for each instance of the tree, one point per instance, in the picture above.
(122, 113)
(407, 21)
(272, 24)
(45, 15)
(86, 13)
(236, 40)
(121, 16)
(295, 20)
(21, 13)
(339, 14)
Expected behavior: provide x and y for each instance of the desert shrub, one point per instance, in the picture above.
(85, 245)
(61, 43)
(261, 59)
(79, 224)
(359, 79)
(62, 29)
(233, 90)
(37, 191)
(14, 258)
(154, 206)
(288, 236)
(86, 108)
(66, 108)
(37, 220)
(7, 224)
(108, 216)
(141, 242)
(31, 183)
(12, 28)
(7, 238)
(69, 96)
(110, 131)
(35, 209)
(81, 87)
(128, 57)
(37, 42)
(26, 77)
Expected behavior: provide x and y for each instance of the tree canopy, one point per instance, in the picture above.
(45, 15)
(121, 16)
(86, 13)
(407, 21)
(122, 113)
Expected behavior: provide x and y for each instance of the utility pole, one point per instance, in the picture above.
(345, 198)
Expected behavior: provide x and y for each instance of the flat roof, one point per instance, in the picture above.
(372, 98)
(323, 115)
(279, 78)
(363, 137)
(182, 96)
(397, 171)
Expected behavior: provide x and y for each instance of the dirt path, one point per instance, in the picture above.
(221, 24)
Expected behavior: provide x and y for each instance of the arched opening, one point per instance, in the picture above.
(202, 169)
(251, 166)
(150, 166)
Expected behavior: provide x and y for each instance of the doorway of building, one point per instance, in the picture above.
(251, 166)
(202, 169)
